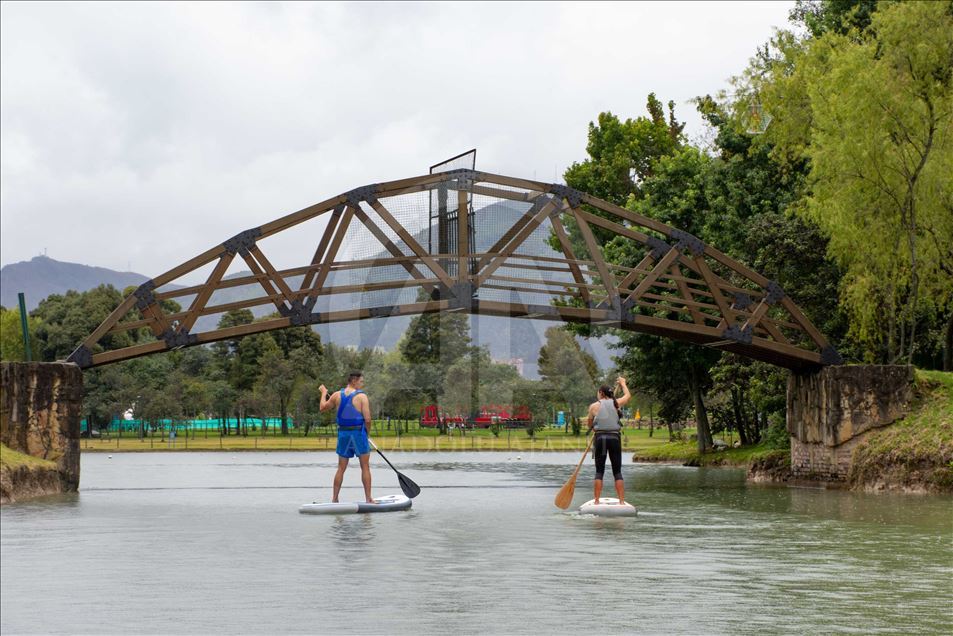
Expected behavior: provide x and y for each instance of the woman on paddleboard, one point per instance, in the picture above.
(354, 421)
(604, 421)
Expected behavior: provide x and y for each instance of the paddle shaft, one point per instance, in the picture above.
(586, 452)
(406, 484)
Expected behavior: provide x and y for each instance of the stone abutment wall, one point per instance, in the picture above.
(831, 411)
(40, 413)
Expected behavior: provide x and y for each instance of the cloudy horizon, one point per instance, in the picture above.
(135, 136)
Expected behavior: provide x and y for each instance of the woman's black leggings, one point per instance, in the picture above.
(608, 444)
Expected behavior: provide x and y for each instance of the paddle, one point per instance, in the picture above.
(564, 496)
(409, 487)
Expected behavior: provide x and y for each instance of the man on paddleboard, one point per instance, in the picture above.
(354, 420)
(605, 423)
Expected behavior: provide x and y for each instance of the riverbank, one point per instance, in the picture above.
(913, 455)
(635, 440)
(916, 453)
(764, 463)
(25, 477)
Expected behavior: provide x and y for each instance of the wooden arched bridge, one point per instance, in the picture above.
(403, 248)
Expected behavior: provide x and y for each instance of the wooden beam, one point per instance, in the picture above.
(322, 275)
(686, 292)
(713, 288)
(522, 235)
(202, 297)
(463, 235)
(322, 246)
(389, 245)
(660, 268)
(515, 229)
(414, 246)
(563, 239)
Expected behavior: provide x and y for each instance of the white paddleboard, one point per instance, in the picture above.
(608, 507)
(388, 503)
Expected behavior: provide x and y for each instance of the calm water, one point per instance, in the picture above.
(213, 543)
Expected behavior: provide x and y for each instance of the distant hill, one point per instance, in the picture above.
(41, 276)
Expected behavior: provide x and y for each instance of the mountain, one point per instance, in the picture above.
(42, 276)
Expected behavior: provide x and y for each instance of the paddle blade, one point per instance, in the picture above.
(564, 496)
(409, 487)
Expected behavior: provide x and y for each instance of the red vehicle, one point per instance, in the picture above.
(431, 417)
(506, 415)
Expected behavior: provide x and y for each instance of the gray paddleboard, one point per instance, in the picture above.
(389, 503)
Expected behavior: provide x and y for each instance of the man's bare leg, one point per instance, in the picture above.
(620, 490)
(597, 487)
(366, 476)
(339, 478)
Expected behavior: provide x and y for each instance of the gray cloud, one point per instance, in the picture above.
(146, 133)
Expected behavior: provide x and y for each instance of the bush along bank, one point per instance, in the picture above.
(765, 462)
(25, 477)
(914, 454)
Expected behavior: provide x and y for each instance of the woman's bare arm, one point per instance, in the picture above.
(626, 396)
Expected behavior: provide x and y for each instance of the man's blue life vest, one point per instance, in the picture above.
(349, 418)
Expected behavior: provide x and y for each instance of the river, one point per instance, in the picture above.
(213, 543)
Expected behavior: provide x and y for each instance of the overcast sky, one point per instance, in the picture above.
(140, 135)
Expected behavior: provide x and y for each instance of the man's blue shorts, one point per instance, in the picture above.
(353, 442)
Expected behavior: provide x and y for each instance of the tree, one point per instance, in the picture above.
(431, 345)
(11, 335)
(568, 372)
(878, 106)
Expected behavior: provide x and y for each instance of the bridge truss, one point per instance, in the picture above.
(676, 286)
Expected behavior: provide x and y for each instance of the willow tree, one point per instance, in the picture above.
(872, 112)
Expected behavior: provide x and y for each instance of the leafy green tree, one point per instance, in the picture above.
(877, 109)
(11, 335)
(431, 345)
(568, 372)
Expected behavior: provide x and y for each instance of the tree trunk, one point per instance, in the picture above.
(738, 409)
(948, 345)
(701, 415)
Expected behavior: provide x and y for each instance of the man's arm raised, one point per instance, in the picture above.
(326, 401)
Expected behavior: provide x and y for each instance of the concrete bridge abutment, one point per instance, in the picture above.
(41, 406)
(831, 411)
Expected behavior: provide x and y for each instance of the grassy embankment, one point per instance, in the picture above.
(11, 459)
(917, 451)
(686, 453)
(422, 440)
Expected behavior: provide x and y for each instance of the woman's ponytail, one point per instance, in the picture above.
(608, 391)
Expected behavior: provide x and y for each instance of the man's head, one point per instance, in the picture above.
(355, 379)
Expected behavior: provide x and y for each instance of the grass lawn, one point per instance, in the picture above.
(13, 459)
(422, 440)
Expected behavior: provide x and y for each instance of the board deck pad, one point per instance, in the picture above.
(608, 507)
(388, 503)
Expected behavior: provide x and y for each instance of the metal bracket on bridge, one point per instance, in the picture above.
(573, 196)
(144, 295)
(688, 241)
(364, 193)
(81, 357)
(242, 242)
(175, 339)
(830, 356)
(382, 312)
(465, 177)
(659, 247)
(742, 300)
(463, 295)
(300, 314)
(736, 333)
(774, 293)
